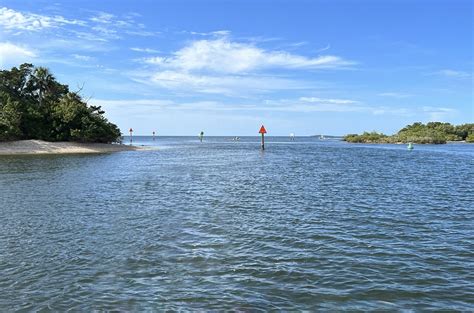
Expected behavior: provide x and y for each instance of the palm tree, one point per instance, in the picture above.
(43, 80)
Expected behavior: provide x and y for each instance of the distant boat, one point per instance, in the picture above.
(410, 146)
(292, 136)
(321, 137)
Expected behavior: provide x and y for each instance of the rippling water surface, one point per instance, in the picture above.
(305, 225)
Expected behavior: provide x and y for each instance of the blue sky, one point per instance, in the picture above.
(226, 67)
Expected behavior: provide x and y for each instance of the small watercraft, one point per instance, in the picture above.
(410, 146)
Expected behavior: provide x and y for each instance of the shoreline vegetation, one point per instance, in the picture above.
(34, 106)
(430, 133)
(28, 147)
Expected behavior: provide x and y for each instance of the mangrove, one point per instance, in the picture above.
(430, 133)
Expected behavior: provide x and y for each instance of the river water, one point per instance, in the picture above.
(220, 225)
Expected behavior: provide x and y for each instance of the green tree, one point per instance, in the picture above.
(470, 138)
(35, 106)
(42, 80)
(10, 117)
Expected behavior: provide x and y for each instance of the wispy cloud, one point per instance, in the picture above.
(323, 100)
(297, 105)
(133, 102)
(206, 105)
(221, 65)
(313, 104)
(384, 110)
(225, 66)
(103, 18)
(145, 50)
(230, 85)
(324, 49)
(12, 54)
(217, 33)
(101, 26)
(276, 105)
(18, 21)
(225, 56)
(298, 44)
(398, 95)
(453, 74)
(81, 57)
(438, 113)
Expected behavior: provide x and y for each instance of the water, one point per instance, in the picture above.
(305, 225)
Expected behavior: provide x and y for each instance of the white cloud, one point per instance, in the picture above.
(216, 33)
(278, 105)
(312, 104)
(383, 110)
(101, 27)
(394, 95)
(141, 32)
(220, 33)
(145, 50)
(265, 106)
(453, 73)
(431, 109)
(11, 54)
(438, 114)
(110, 26)
(323, 100)
(224, 66)
(224, 56)
(133, 102)
(105, 32)
(228, 84)
(103, 18)
(81, 57)
(324, 49)
(14, 20)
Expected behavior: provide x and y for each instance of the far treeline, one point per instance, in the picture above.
(433, 132)
(33, 105)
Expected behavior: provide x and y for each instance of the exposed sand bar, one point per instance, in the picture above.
(44, 147)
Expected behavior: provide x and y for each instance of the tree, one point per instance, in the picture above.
(35, 106)
(470, 138)
(43, 80)
(433, 132)
(10, 117)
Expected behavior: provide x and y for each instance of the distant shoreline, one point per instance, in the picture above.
(37, 147)
(419, 133)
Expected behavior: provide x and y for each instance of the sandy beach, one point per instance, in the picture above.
(43, 147)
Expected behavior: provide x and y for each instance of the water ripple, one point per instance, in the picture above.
(221, 226)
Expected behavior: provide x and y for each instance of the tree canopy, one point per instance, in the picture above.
(34, 105)
(433, 132)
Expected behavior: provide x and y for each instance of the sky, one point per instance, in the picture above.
(227, 67)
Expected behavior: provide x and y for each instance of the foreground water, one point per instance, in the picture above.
(305, 225)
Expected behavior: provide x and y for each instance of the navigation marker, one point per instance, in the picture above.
(263, 131)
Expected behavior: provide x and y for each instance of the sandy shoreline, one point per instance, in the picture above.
(43, 147)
